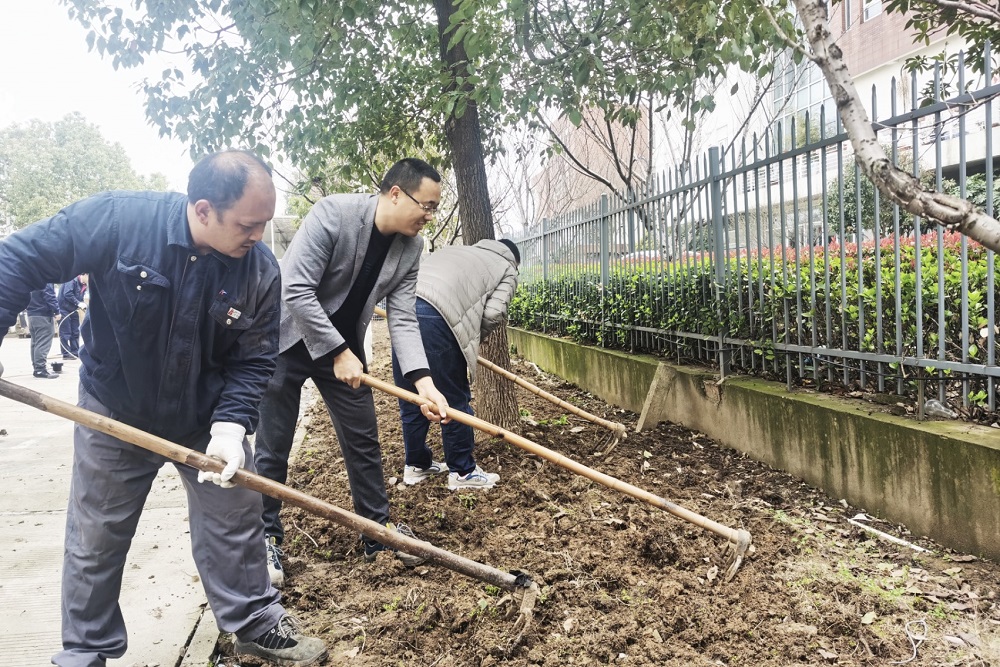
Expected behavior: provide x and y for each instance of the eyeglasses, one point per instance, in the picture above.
(426, 208)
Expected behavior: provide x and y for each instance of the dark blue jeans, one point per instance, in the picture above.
(69, 335)
(450, 373)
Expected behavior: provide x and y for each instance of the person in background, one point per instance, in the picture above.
(179, 341)
(70, 303)
(462, 296)
(351, 251)
(43, 313)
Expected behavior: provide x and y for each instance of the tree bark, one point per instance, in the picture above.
(901, 187)
(497, 402)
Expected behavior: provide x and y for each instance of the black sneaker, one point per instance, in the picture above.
(274, 569)
(372, 548)
(284, 645)
(45, 375)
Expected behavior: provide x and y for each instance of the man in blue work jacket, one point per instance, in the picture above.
(180, 341)
(42, 312)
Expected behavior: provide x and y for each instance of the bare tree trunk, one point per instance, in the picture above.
(896, 184)
(496, 400)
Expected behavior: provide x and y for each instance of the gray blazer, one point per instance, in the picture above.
(320, 266)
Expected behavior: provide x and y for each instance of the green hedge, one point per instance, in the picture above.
(829, 302)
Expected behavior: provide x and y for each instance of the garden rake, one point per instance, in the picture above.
(738, 540)
(618, 430)
(515, 581)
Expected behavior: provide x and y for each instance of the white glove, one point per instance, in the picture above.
(83, 305)
(227, 446)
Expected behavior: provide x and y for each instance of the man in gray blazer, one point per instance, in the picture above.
(351, 251)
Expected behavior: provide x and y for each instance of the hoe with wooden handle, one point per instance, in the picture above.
(738, 541)
(197, 460)
(619, 432)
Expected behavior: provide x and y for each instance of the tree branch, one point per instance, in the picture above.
(977, 9)
(901, 187)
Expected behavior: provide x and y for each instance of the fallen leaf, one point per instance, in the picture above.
(829, 655)
(577, 429)
(961, 558)
(869, 618)
(970, 639)
(798, 629)
(353, 653)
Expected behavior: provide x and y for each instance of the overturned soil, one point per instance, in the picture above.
(621, 581)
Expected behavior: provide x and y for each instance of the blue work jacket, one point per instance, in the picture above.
(43, 302)
(70, 296)
(173, 340)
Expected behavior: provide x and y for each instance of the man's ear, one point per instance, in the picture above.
(203, 209)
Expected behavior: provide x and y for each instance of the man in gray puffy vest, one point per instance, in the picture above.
(462, 297)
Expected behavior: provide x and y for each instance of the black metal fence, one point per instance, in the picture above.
(784, 261)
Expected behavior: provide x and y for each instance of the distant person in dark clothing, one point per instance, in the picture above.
(43, 313)
(70, 303)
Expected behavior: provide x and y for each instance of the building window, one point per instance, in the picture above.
(872, 9)
(800, 91)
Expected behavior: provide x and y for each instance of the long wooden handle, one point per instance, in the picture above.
(618, 428)
(731, 534)
(269, 487)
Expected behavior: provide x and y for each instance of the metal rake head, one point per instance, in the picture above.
(611, 441)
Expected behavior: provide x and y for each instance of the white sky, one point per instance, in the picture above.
(47, 72)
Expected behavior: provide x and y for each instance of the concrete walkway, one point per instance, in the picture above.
(162, 598)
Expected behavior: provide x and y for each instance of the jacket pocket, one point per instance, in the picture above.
(146, 290)
(229, 316)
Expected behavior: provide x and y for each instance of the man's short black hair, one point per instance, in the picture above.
(513, 248)
(220, 178)
(407, 174)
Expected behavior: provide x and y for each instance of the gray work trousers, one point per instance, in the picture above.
(41, 328)
(110, 482)
(353, 414)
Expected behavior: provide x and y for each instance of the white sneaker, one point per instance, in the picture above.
(477, 479)
(274, 569)
(413, 475)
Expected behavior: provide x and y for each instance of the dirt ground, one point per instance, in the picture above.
(620, 581)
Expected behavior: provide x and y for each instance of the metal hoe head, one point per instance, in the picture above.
(734, 553)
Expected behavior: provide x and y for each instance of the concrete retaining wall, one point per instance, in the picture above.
(939, 478)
